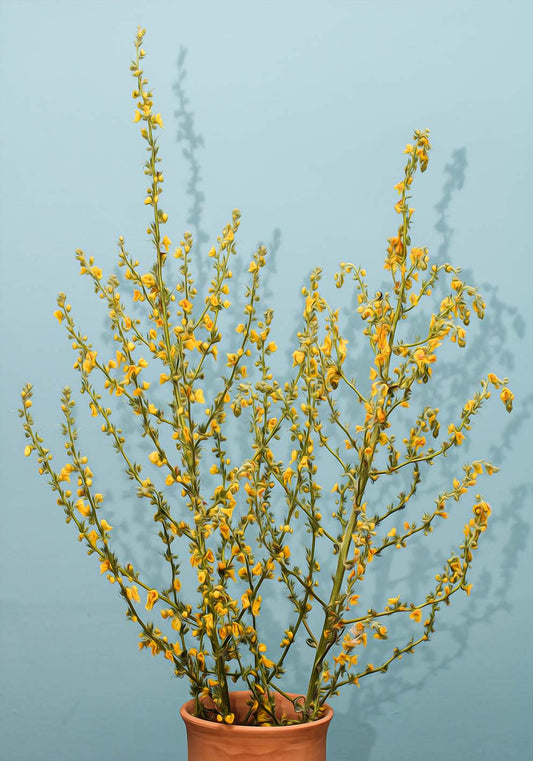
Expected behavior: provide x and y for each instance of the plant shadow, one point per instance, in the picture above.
(508, 529)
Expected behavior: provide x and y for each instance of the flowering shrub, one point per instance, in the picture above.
(241, 522)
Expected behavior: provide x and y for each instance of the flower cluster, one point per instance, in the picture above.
(240, 521)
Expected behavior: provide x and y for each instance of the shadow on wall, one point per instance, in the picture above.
(136, 534)
(193, 142)
(508, 528)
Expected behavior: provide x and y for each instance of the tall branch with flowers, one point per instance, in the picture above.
(235, 519)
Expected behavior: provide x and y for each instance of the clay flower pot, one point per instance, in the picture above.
(212, 741)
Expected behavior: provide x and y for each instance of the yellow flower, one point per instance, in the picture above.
(89, 362)
(27, 450)
(422, 358)
(156, 459)
(228, 237)
(83, 507)
(457, 436)
(199, 396)
(507, 398)
(105, 525)
(332, 376)
(59, 315)
(287, 475)
(341, 349)
(64, 473)
(158, 120)
(92, 536)
(482, 511)
(132, 593)
(298, 357)
(416, 615)
(151, 599)
(148, 279)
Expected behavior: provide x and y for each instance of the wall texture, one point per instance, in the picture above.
(303, 109)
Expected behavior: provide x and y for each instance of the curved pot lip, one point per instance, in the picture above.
(188, 718)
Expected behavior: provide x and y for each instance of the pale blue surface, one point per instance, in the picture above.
(304, 108)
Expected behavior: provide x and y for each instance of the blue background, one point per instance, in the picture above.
(304, 109)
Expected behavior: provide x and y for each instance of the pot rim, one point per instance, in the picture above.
(213, 726)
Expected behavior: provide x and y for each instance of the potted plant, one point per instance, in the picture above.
(238, 473)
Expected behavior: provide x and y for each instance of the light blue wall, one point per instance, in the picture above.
(304, 109)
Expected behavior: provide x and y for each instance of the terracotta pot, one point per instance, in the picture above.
(212, 741)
